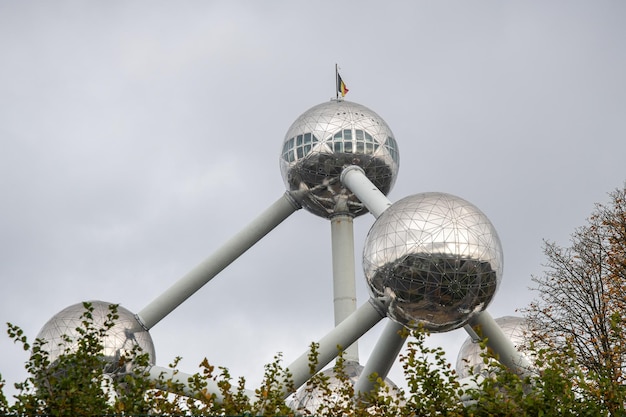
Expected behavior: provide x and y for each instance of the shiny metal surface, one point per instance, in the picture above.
(308, 400)
(121, 338)
(470, 353)
(436, 257)
(329, 137)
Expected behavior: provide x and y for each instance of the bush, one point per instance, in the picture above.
(78, 384)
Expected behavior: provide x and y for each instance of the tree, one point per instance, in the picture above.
(581, 301)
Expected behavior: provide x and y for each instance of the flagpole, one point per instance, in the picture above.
(336, 82)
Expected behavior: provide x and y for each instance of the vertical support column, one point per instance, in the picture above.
(390, 342)
(344, 287)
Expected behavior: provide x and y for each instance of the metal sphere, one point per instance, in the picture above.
(470, 354)
(126, 333)
(329, 137)
(436, 258)
(306, 401)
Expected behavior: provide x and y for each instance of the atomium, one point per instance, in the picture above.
(436, 257)
(432, 258)
(327, 138)
(470, 358)
(61, 335)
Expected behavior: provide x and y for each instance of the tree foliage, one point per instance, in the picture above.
(77, 384)
(581, 301)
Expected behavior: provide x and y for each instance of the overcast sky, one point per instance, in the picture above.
(137, 136)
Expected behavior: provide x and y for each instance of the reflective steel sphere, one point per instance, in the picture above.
(436, 257)
(470, 353)
(306, 401)
(325, 139)
(121, 338)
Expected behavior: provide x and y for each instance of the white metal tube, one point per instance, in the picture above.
(353, 177)
(500, 343)
(346, 333)
(344, 286)
(382, 357)
(472, 333)
(162, 376)
(165, 303)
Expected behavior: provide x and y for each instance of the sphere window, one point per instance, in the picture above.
(298, 147)
(347, 140)
(338, 142)
(392, 147)
(354, 141)
(365, 143)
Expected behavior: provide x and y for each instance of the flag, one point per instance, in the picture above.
(341, 86)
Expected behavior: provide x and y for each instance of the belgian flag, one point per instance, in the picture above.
(341, 86)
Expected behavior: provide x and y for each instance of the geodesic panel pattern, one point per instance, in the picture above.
(469, 356)
(436, 258)
(329, 137)
(121, 338)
